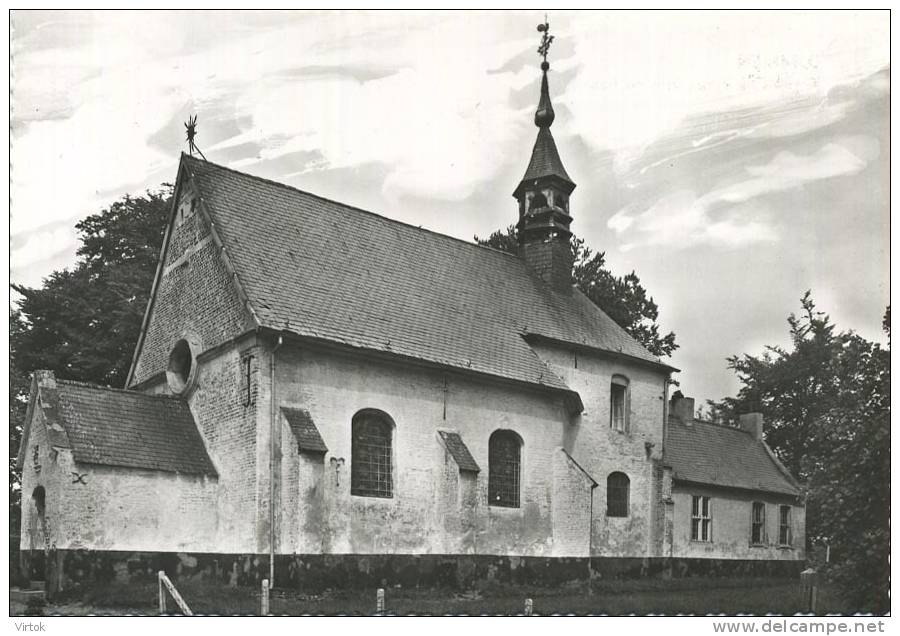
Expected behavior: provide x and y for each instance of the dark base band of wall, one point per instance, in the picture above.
(313, 573)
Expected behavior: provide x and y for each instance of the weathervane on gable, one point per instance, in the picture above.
(191, 131)
(546, 39)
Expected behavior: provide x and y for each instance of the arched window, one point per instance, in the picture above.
(617, 492)
(618, 404)
(40, 503)
(504, 467)
(371, 454)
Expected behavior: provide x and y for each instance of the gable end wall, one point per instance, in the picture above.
(195, 296)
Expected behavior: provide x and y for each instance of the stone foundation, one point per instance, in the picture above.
(314, 573)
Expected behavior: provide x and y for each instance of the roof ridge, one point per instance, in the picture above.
(727, 427)
(104, 387)
(352, 207)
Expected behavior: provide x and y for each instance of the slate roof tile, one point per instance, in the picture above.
(545, 159)
(327, 270)
(116, 427)
(719, 455)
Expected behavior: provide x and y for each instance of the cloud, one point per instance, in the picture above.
(432, 119)
(651, 73)
(787, 170)
(696, 129)
(681, 219)
(49, 244)
(444, 106)
(722, 216)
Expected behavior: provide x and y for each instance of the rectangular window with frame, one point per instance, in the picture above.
(758, 523)
(701, 518)
(784, 526)
(618, 404)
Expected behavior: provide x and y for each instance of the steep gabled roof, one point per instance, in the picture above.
(115, 427)
(321, 269)
(717, 455)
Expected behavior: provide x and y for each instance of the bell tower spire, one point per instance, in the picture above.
(543, 194)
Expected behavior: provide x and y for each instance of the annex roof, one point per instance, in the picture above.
(718, 455)
(304, 429)
(325, 270)
(117, 427)
(459, 451)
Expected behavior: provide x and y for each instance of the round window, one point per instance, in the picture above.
(180, 371)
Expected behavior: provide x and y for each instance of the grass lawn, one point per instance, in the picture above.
(678, 596)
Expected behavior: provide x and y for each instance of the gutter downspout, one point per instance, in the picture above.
(666, 550)
(273, 419)
(665, 422)
(591, 545)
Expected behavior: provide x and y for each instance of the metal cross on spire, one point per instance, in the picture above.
(546, 39)
(191, 132)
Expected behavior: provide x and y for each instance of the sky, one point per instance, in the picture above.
(733, 160)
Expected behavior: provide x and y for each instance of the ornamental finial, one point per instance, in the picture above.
(544, 116)
(546, 41)
(191, 132)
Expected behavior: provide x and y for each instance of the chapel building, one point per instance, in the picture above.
(324, 396)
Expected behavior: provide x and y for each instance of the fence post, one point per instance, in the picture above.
(379, 602)
(529, 607)
(809, 584)
(162, 592)
(166, 584)
(264, 598)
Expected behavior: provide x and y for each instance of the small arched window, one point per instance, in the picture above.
(618, 404)
(504, 469)
(371, 465)
(40, 503)
(617, 493)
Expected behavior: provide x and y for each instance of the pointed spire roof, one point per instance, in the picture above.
(545, 161)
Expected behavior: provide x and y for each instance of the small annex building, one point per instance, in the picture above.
(323, 396)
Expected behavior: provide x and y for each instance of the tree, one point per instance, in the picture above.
(18, 395)
(83, 323)
(793, 388)
(826, 401)
(623, 298)
(849, 475)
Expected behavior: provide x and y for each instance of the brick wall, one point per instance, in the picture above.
(229, 428)
(571, 506)
(731, 511)
(39, 470)
(601, 450)
(435, 508)
(551, 260)
(195, 297)
(107, 508)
